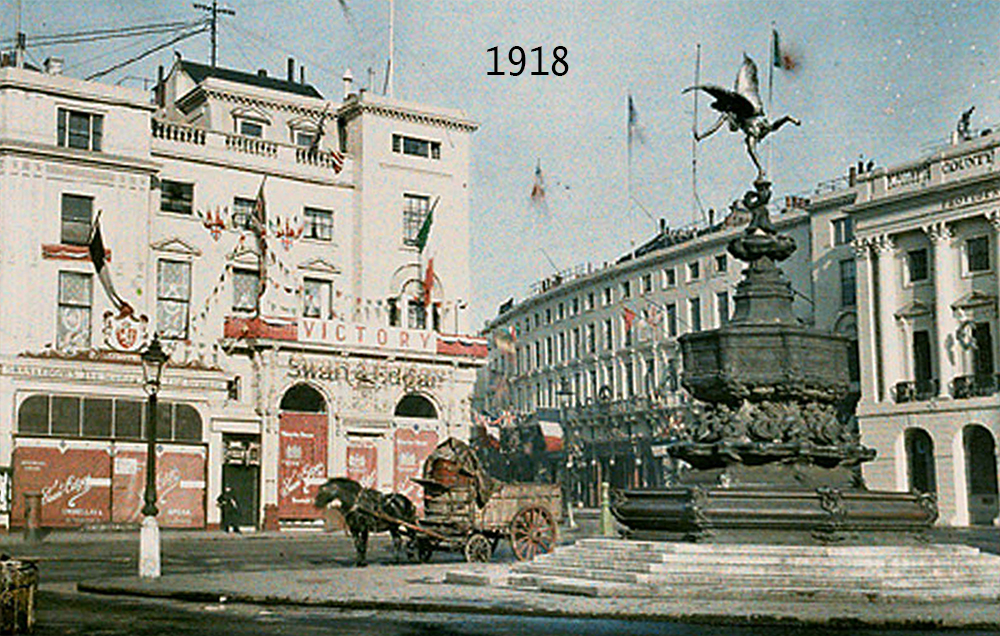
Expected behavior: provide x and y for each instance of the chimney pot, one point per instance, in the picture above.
(262, 72)
(291, 70)
(54, 65)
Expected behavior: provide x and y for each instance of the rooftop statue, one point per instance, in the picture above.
(742, 109)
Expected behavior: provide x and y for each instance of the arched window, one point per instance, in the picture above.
(414, 405)
(303, 399)
(981, 473)
(920, 460)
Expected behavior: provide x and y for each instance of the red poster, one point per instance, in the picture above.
(180, 485)
(302, 451)
(74, 479)
(362, 462)
(412, 449)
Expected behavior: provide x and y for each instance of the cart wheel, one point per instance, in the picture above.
(478, 549)
(424, 550)
(532, 531)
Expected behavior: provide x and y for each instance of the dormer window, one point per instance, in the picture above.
(303, 138)
(250, 128)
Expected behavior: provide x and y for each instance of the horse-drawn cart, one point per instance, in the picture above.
(464, 509)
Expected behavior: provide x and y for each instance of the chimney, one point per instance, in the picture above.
(161, 90)
(663, 226)
(852, 176)
(54, 65)
(291, 70)
(262, 72)
(302, 75)
(348, 80)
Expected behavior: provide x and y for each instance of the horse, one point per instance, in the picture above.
(362, 509)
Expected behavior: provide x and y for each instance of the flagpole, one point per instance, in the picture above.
(628, 177)
(770, 90)
(696, 208)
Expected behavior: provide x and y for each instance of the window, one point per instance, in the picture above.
(843, 231)
(550, 351)
(916, 261)
(609, 342)
(233, 389)
(609, 377)
(627, 289)
(316, 298)
(416, 147)
(303, 139)
(694, 307)
(538, 320)
(669, 277)
(562, 346)
(318, 225)
(173, 297)
(721, 263)
(415, 209)
(76, 219)
(626, 333)
(629, 378)
(722, 306)
(416, 315)
(848, 290)
(243, 213)
(76, 129)
(922, 371)
(576, 342)
(590, 300)
(73, 321)
(694, 270)
(977, 251)
(560, 311)
(548, 316)
(672, 320)
(607, 296)
(591, 338)
(246, 287)
(576, 306)
(97, 417)
(982, 358)
(249, 128)
(647, 283)
(176, 197)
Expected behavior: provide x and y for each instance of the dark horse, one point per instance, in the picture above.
(362, 509)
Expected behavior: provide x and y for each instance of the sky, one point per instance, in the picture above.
(876, 80)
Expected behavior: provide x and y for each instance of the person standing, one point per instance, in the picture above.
(230, 511)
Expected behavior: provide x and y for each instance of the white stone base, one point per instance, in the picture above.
(149, 549)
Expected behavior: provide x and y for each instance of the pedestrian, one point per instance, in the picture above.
(230, 511)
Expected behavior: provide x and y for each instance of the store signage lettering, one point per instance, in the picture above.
(358, 335)
(909, 176)
(958, 164)
(969, 199)
(360, 373)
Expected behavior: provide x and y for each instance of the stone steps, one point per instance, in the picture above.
(611, 567)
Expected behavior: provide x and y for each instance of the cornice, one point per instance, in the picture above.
(354, 108)
(201, 93)
(80, 157)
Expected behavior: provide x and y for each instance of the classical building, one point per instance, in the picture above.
(927, 238)
(601, 344)
(326, 344)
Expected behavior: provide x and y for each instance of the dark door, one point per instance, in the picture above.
(981, 474)
(241, 472)
(921, 357)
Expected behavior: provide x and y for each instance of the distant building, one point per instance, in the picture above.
(602, 344)
(351, 364)
(927, 239)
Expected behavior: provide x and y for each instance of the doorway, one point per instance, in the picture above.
(981, 474)
(241, 472)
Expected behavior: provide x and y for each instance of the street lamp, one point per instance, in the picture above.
(153, 361)
(565, 394)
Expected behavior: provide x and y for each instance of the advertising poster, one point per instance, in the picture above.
(73, 478)
(412, 449)
(302, 452)
(180, 485)
(362, 462)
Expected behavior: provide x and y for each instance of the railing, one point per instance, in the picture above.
(969, 386)
(251, 145)
(915, 390)
(178, 132)
(322, 158)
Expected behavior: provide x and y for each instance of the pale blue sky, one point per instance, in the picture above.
(886, 80)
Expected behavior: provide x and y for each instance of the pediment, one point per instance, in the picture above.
(319, 265)
(914, 309)
(244, 255)
(249, 112)
(175, 245)
(303, 123)
(973, 299)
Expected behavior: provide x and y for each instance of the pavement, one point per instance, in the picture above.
(423, 588)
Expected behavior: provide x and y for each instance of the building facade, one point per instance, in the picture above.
(324, 344)
(602, 345)
(927, 238)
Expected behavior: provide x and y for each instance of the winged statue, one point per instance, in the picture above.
(742, 109)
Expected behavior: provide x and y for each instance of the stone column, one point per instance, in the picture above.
(944, 318)
(866, 320)
(891, 351)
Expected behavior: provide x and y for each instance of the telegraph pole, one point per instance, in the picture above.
(213, 20)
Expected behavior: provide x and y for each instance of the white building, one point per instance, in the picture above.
(344, 370)
(606, 340)
(927, 235)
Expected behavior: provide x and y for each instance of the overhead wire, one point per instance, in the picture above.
(94, 35)
(148, 52)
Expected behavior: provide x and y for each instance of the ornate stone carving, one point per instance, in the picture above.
(938, 232)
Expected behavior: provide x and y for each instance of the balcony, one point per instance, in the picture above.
(970, 386)
(172, 137)
(915, 391)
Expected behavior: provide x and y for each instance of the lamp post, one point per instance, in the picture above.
(153, 361)
(565, 394)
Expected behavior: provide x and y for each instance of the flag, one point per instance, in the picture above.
(425, 228)
(259, 223)
(629, 318)
(503, 339)
(428, 282)
(635, 131)
(782, 58)
(98, 257)
(336, 159)
(538, 189)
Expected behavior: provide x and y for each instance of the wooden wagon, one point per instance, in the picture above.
(465, 509)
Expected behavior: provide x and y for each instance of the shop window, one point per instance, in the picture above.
(65, 416)
(97, 417)
(187, 423)
(164, 417)
(33, 415)
(129, 423)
